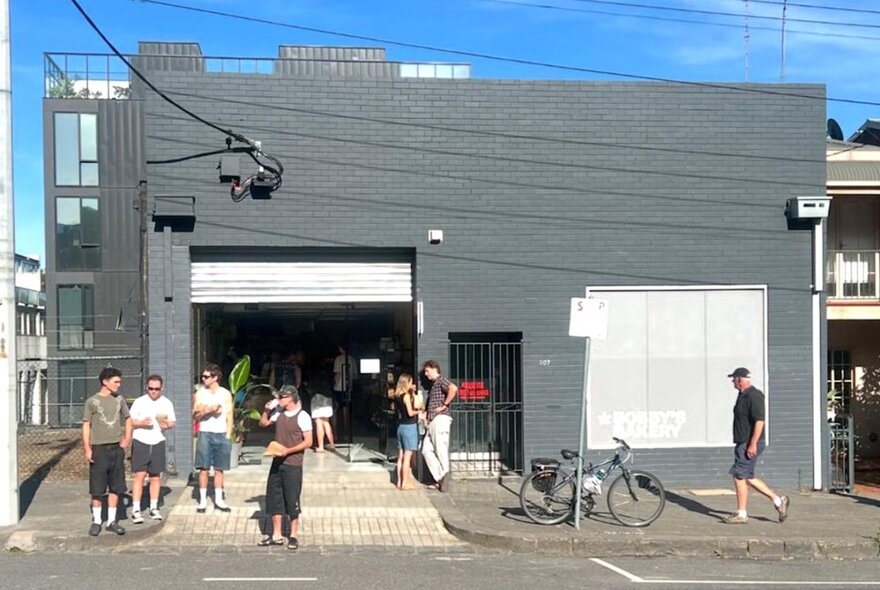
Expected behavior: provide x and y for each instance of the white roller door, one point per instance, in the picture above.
(300, 282)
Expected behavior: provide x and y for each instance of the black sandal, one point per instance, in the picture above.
(270, 541)
(293, 544)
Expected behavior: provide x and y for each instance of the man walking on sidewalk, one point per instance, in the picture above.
(213, 410)
(106, 432)
(151, 415)
(748, 431)
(293, 435)
(435, 447)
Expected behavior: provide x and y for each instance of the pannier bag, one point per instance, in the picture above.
(546, 472)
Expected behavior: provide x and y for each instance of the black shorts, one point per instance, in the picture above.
(149, 458)
(107, 470)
(283, 489)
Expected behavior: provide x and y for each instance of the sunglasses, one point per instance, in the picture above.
(207, 376)
(154, 389)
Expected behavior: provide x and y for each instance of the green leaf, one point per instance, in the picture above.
(240, 375)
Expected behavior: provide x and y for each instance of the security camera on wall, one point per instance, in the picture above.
(435, 236)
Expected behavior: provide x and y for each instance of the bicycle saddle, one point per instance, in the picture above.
(568, 454)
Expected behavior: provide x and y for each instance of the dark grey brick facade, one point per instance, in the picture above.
(541, 188)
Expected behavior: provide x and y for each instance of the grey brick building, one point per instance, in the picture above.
(665, 199)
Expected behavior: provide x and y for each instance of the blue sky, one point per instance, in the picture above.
(586, 33)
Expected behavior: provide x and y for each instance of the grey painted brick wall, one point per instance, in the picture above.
(539, 191)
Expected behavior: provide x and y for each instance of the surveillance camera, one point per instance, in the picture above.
(435, 236)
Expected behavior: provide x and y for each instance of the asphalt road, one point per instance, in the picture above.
(383, 570)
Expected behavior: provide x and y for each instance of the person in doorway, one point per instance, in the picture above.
(322, 412)
(106, 433)
(343, 374)
(293, 435)
(435, 446)
(151, 415)
(213, 411)
(407, 430)
(748, 431)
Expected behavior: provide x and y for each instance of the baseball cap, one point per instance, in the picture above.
(741, 372)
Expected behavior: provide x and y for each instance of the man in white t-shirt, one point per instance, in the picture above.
(213, 411)
(151, 415)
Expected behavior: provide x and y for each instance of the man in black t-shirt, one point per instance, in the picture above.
(748, 431)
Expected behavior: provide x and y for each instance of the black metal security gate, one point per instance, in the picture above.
(487, 415)
(842, 454)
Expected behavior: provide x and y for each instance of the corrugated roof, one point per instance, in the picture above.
(857, 171)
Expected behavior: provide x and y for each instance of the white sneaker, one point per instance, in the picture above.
(155, 514)
(136, 517)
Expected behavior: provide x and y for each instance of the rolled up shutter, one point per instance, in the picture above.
(300, 282)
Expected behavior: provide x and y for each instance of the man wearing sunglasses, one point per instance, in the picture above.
(213, 411)
(151, 415)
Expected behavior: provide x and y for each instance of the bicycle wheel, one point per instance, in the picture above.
(547, 497)
(637, 502)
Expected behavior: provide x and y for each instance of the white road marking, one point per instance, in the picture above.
(259, 579)
(447, 558)
(615, 569)
(638, 580)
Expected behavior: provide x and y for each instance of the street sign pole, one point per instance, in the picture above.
(583, 429)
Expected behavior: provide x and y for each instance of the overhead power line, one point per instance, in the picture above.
(818, 7)
(689, 21)
(253, 150)
(729, 14)
(506, 59)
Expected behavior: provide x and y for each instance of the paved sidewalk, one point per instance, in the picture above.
(347, 507)
(820, 526)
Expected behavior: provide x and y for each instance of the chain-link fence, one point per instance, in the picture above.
(50, 399)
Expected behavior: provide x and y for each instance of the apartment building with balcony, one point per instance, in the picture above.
(30, 330)
(853, 283)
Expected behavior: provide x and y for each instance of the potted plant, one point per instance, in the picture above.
(243, 416)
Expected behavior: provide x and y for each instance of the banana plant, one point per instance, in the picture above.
(240, 383)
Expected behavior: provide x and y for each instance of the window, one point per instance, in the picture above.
(72, 390)
(840, 376)
(76, 149)
(659, 379)
(76, 317)
(77, 234)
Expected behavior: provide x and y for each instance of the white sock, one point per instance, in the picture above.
(777, 501)
(111, 514)
(742, 514)
(218, 497)
(203, 497)
(96, 515)
(154, 504)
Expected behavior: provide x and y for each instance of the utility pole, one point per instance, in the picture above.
(8, 414)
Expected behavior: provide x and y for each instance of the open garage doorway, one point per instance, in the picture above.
(276, 336)
(299, 306)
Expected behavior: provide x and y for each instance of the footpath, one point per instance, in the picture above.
(353, 507)
(820, 526)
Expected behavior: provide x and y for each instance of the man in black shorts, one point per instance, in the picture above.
(748, 430)
(151, 415)
(293, 435)
(106, 432)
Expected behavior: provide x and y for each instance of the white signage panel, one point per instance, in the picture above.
(589, 318)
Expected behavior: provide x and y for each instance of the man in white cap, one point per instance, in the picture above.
(748, 431)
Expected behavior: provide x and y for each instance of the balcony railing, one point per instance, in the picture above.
(852, 274)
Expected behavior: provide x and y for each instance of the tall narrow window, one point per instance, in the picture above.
(72, 390)
(76, 317)
(77, 234)
(840, 376)
(76, 149)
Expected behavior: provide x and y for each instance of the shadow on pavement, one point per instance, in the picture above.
(28, 488)
(693, 506)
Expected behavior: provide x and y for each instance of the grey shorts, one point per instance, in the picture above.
(743, 467)
(149, 458)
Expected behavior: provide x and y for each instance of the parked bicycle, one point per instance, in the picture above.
(636, 498)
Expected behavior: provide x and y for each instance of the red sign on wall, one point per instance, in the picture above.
(472, 391)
